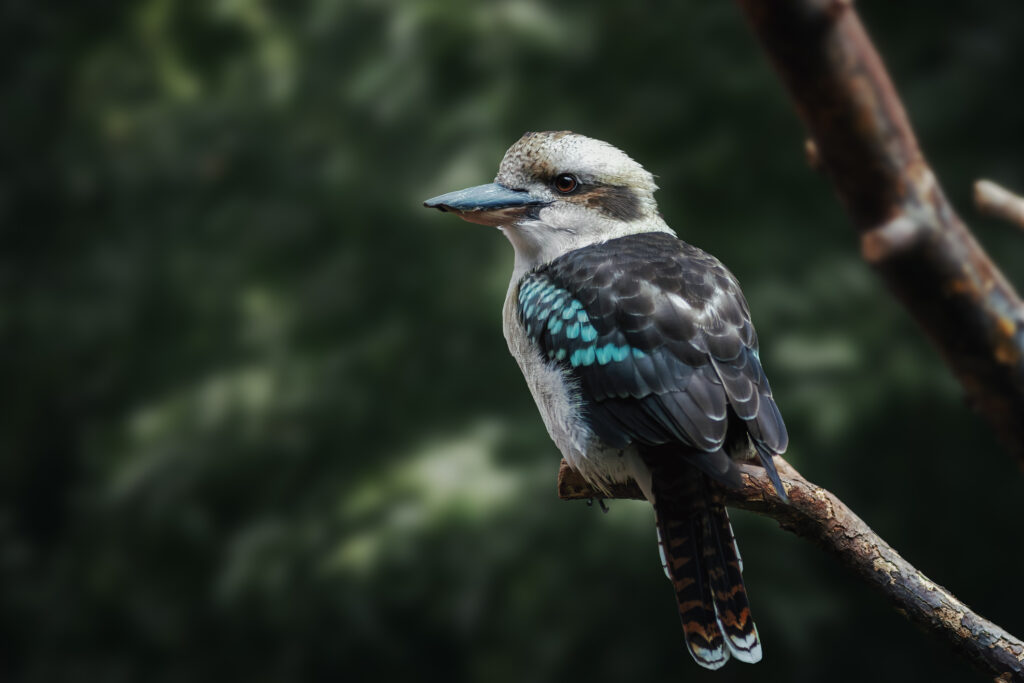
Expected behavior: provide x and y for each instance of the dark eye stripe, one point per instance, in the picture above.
(615, 201)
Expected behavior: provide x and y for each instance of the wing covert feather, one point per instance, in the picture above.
(658, 338)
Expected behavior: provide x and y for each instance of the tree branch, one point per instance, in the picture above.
(816, 514)
(909, 232)
(862, 139)
(998, 202)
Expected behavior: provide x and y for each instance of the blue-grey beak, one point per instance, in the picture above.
(485, 204)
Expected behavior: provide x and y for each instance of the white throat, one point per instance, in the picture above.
(542, 240)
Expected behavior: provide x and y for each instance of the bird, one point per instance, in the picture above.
(640, 353)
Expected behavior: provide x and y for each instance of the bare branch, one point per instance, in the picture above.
(909, 232)
(817, 514)
(862, 139)
(998, 202)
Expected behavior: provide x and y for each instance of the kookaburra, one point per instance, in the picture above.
(640, 353)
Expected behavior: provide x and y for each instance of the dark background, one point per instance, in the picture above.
(259, 422)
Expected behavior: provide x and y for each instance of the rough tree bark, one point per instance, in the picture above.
(910, 234)
(908, 230)
(817, 514)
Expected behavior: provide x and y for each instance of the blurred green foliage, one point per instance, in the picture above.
(258, 419)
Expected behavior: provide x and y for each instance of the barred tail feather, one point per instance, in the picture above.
(725, 568)
(700, 557)
(680, 542)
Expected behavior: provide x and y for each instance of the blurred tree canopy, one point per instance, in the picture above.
(258, 418)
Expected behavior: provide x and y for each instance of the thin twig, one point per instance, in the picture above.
(817, 514)
(909, 232)
(995, 200)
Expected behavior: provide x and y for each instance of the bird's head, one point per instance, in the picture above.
(557, 191)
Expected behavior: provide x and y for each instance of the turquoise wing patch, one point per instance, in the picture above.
(561, 328)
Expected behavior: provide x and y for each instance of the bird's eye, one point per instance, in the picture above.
(566, 183)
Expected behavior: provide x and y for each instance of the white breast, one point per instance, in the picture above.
(558, 401)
